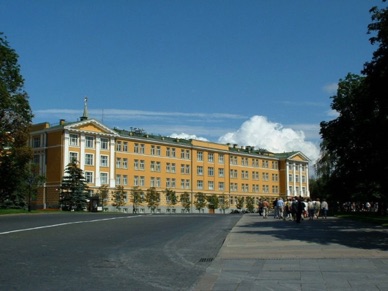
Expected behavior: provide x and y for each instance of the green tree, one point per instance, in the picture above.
(185, 201)
(240, 202)
(200, 201)
(137, 197)
(354, 154)
(171, 198)
(15, 119)
(212, 201)
(73, 190)
(103, 193)
(250, 201)
(224, 203)
(119, 197)
(152, 199)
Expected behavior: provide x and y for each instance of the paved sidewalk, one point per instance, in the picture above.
(272, 254)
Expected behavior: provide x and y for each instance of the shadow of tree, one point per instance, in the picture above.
(344, 232)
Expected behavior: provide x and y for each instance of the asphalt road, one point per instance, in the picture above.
(97, 251)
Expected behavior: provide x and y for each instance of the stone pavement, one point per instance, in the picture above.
(272, 254)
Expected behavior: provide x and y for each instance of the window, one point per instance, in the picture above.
(244, 161)
(199, 184)
(158, 150)
(104, 144)
(136, 148)
(233, 160)
(173, 152)
(74, 139)
(255, 163)
(265, 164)
(125, 180)
(142, 149)
(104, 178)
(168, 152)
(211, 185)
(221, 186)
(118, 179)
(173, 168)
(118, 146)
(125, 163)
(297, 178)
(153, 150)
(89, 159)
(152, 182)
(221, 172)
(136, 164)
(244, 174)
(142, 181)
(289, 177)
(118, 162)
(125, 146)
(255, 175)
(104, 161)
(265, 176)
(141, 165)
(275, 177)
(275, 165)
(182, 183)
(220, 158)
(210, 171)
(89, 177)
(73, 157)
(168, 167)
(187, 184)
(36, 142)
(199, 156)
(89, 142)
(210, 157)
(199, 170)
(136, 181)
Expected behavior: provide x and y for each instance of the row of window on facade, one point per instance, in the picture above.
(155, 150)
(139, 165)
(185, 184)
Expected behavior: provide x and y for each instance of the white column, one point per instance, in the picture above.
(287, 182)
(307, 180)
(294, 179)
(82, 152)
(98, 161)
(300, 179)
(66, 149)
(112, 161)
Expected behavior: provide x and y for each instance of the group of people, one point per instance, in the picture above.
(295, 208)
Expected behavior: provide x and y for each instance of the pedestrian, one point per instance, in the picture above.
(265, 208)
(310, 209)
(324, 208)
(275, 208)
(300, 209)
(317, 208)
(280, 205)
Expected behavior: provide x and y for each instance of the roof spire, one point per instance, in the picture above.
(85, 115)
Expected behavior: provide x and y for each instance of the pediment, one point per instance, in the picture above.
(90, 126)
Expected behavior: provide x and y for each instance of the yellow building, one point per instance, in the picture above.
(131, 158)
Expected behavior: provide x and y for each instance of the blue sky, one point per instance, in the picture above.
(256, 73)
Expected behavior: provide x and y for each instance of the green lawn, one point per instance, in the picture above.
(24, 211)
(366, 217)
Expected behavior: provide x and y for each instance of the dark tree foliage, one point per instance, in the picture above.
(137, 197)
(213, 201)
(15, 119)
(73, 195)
(152, 198)
(354, 150)
(185, 201)
(119, 197)
(200, 201)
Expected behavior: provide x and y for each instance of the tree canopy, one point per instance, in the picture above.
(73, 195)
(15, 119)
(354, 151)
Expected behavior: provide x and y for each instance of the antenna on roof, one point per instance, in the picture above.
(85, 115)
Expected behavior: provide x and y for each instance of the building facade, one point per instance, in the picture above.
(133, 158)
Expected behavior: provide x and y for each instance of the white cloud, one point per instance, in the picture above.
(331, 88)
(187, 136)
(261, 133)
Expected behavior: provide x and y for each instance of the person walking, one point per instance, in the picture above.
(324, 208)
(300, 209)
(280, 205)
(310, 209)
(265, 208)
(317, 208)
